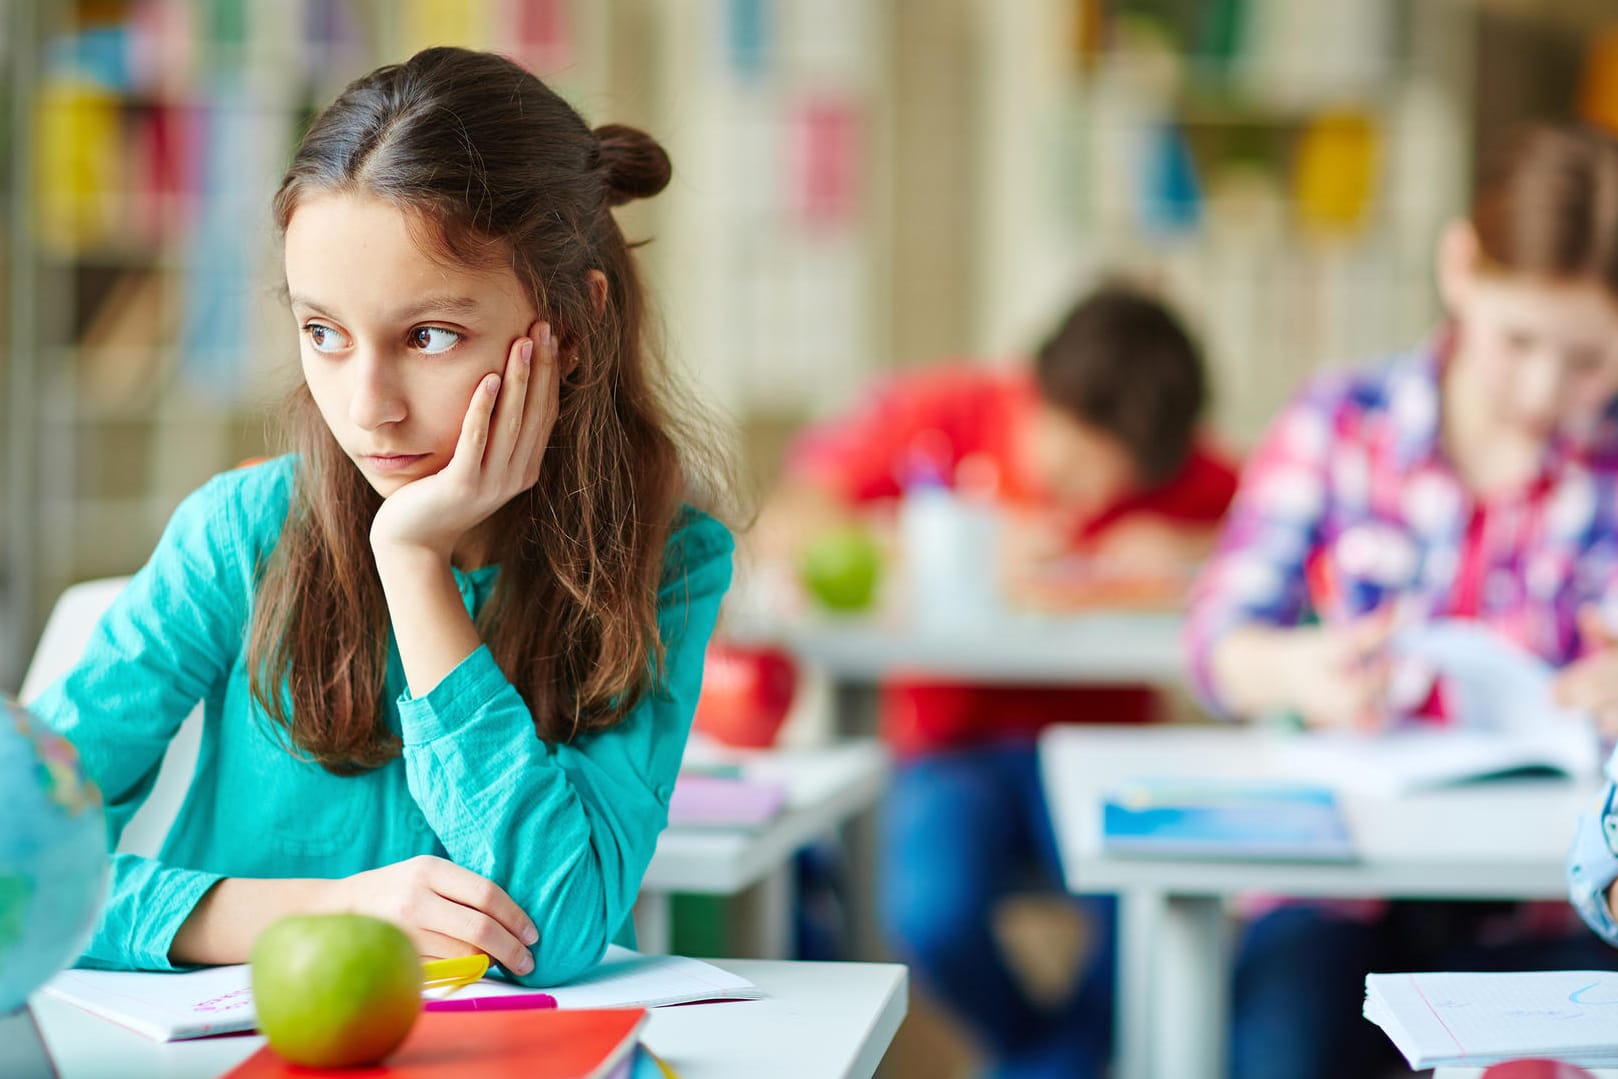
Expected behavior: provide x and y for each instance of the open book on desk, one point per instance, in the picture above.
(219, 1000)
(1476, 1020)
(1506, 723)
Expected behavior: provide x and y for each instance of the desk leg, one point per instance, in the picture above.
(1140, 921)
(1192, 987)
(654, 923)
(763, 917)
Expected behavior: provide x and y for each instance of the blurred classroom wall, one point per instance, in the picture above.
(859, 186)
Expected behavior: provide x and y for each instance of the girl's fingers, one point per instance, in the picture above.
(1594, 633)
(469, 889)
(475, 928)
(1586, 684)
(513, 407)
(431, 945)
(543, 389)
(475, 427)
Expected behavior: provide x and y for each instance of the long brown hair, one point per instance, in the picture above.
(495, 169)
(1547, 205)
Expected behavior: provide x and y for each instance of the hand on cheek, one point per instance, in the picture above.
(497, 455)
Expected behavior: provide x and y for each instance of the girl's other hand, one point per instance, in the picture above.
(1590, 684)
(445, 910)
(1340, 673)
(508, 424)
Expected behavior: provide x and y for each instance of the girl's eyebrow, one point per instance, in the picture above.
(438, 305)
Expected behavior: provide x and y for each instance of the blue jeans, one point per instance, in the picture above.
(962, 829)
(1300, 980)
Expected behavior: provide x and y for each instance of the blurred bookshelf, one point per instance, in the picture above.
(1281, 171)
(148, 345)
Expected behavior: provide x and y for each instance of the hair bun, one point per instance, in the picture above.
(637, 167)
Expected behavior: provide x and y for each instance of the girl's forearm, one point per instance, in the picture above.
(225, 923)
(430, 623)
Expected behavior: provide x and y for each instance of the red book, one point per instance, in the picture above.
(583, 1044)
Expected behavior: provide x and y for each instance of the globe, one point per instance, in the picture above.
(53, 854)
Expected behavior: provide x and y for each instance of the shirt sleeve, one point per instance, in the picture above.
(1256, 573)
(167, 642)
(904, 423)
(1592, 866)
(567, 830)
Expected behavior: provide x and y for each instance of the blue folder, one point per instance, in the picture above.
(1226, 819)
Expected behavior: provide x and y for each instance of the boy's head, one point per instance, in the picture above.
(1121, 388)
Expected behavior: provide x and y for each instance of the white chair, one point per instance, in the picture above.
(67, 631)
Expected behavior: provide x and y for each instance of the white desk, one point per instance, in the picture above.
(826, 787)
(1504, 840)
(820, 1021)
(1104, 648)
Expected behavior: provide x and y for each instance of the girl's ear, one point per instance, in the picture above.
(598, 291)
(1458, 254)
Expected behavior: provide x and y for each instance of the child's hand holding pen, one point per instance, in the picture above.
(1590, 683)
(1340, 672)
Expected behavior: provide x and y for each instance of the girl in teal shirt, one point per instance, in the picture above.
(449, 650)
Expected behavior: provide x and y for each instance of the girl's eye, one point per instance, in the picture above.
(434, 339)
(324, 338)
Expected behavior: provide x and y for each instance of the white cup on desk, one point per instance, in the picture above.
(950, 546)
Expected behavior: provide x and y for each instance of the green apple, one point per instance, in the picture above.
(840, 568)
(335, 990)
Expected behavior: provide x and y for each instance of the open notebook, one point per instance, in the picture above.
(1476, 1020)
(219, 1000)
(1507, 723)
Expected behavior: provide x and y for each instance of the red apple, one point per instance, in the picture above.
(746, 693)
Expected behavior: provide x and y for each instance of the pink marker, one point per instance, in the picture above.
(513, 1003)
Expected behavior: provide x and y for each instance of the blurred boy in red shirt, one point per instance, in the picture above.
(1094, 451)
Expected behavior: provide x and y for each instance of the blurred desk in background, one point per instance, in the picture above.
(1489, 840)
(1098, 648)
(826, 788)
(856, 654)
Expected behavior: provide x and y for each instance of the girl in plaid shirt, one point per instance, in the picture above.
(1474, 477)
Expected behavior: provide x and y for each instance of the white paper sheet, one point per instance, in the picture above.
(1481, 1019)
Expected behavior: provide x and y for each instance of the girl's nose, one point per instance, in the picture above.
(375, 400)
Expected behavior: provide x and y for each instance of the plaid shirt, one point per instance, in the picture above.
(1349, 502)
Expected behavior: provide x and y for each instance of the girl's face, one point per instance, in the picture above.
(1540, 356)
(394, 338)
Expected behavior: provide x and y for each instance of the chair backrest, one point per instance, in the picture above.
(67, 631)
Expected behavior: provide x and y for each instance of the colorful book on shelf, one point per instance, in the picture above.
(593, 1044)
(1225, 819)
(718, 801)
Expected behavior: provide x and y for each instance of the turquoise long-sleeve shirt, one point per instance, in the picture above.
(566, 830)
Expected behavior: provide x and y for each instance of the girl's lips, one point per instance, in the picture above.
(394, 462)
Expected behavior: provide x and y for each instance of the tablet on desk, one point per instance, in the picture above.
(23, 1054)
